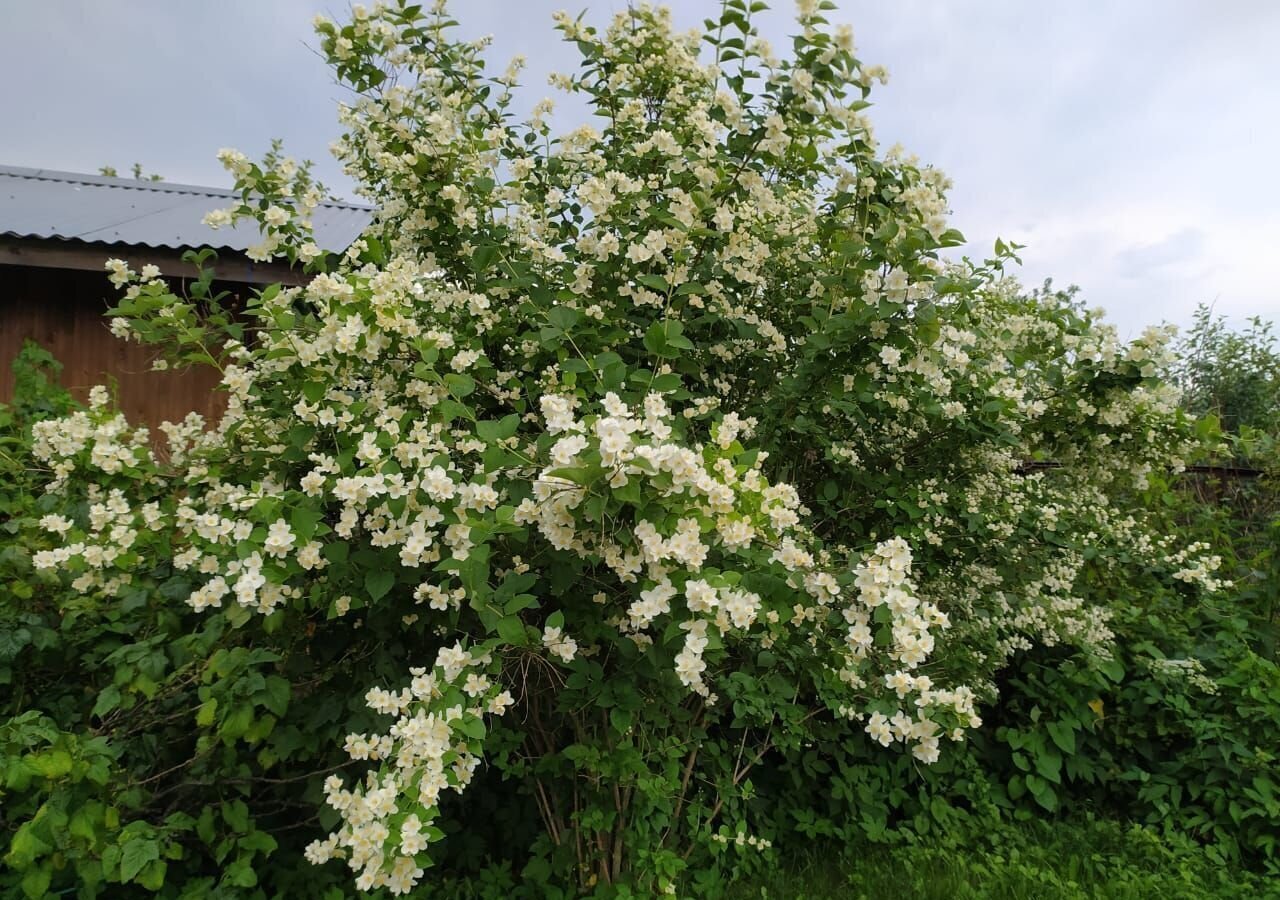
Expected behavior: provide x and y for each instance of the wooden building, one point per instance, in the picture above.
(57, 229)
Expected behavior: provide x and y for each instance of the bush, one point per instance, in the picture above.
(127, 716)
(1181, 731)
(664, 468)
(1070, 860)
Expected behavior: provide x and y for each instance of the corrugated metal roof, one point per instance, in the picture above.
(48, 204)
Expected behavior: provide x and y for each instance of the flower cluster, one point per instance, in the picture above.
(1190, 670)
(431, 748)
(279, 193)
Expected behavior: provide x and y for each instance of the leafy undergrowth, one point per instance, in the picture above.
(1089, 858)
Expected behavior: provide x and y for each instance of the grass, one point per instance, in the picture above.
(1033, 861)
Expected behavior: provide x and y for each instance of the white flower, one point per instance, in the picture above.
(217, 218)
(501, 703)
(275, 216)
(280, 539)
(701, 596)
(57, 524)
(879, 729)
(563, 646)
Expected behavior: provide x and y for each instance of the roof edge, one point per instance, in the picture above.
(166, 187)
(91, 256)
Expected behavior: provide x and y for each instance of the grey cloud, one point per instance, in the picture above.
(1181, 248)
(1090, 130)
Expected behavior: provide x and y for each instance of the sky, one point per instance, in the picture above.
(1132, 146)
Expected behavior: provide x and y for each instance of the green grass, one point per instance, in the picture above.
(1032, 861)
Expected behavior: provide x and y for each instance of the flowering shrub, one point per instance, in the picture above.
(660, 445)
(1181, 731)
(133, 729)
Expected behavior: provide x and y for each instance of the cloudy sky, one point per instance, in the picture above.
(1132, 146)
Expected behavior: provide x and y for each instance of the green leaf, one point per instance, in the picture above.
(82, 824)
(1047, 798)
(136, 854)
(511, 630)
(12, 641)
(473, 727)
(204, 825)
(663, 338)
(108, 700)
(563, 317)
(241, 874)
(237, 721)
(50, 764)
(494, 431)
(208, 709)
(665, 384)
(1049, 765)
(236, 815)
(303, 521)
(35, 881)
(1063, 735)
(459, 385)
(152, 877)
(620, 719)
(515, 583)
(1017, 787)
(520, 602)
(448, 410)
(258, 840)
(1113, 669)
(379, 582)
(276, 695)
(314, 391)
(482, 257)
(656, 282)
(301, 435)
(26, 846)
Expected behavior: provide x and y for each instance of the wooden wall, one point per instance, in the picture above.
(62, 310)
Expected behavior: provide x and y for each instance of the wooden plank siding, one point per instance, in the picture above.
(62, 310)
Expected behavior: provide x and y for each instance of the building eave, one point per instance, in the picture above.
(90, 256)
